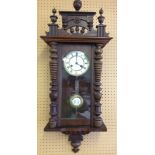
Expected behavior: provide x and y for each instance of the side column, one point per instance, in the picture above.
(97, 86)
(54, 85)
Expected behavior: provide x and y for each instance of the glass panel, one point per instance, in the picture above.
(76, 90)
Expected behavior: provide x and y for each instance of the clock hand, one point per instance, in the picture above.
(76, 57)
(82, 66)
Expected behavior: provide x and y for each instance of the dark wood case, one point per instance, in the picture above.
(77, 33)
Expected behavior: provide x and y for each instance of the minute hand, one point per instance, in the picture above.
(76, 57)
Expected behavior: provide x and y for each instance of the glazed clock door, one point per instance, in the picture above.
(76, 83)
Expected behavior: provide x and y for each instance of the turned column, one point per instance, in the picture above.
(53, 84)
(97, 86)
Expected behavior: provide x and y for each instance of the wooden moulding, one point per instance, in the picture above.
(83, 129)
(90, 40)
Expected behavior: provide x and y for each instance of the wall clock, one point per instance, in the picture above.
(75, 69)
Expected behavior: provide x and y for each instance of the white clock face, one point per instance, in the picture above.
(76, 63)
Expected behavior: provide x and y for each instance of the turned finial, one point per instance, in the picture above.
(54, 11)
(77, 5)
(54, 17)
(101, 18)
(101, 11)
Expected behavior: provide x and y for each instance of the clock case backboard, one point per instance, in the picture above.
(77, 33)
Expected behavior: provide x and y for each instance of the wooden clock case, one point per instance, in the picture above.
(77, 33)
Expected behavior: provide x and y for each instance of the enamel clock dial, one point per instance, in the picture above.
(76, 63)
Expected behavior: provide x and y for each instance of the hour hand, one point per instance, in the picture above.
(82, 66)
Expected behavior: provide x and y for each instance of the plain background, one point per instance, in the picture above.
(136, 77)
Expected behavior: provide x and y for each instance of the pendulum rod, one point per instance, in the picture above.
(76, 88)
(76, 85)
